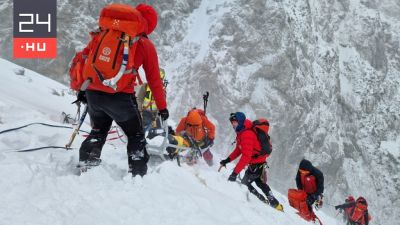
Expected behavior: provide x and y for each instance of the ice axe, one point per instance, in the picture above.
(205, 99)
(78, 126)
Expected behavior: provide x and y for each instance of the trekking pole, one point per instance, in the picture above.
(205, 99)
(220, 167)
(76, 131)
(164, 125)
(78, 126)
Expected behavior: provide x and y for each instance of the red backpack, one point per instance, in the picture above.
(110, 54)
(298, 200)
(76, 69)
(261, 128)
(359, 210)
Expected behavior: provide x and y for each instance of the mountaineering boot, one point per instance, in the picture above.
(90, 150)
(84, 166)
(138, 167)
(279, 207)
(93, 162)
(137, 162)
(137, 159)
(273, 202)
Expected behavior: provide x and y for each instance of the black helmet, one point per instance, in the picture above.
(232, 117)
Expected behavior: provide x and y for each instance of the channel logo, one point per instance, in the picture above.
(35, 29)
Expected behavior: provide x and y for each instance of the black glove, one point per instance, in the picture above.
(81, 97)
(164, 114)
(232, 177)
(336, 207)
(225, 161)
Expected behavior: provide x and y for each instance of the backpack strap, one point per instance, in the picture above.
(138, 78)
(131, 60)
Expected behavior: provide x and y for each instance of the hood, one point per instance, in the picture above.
(306, 165)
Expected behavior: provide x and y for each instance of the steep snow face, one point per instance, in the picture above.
(40, 188)
(326, 74)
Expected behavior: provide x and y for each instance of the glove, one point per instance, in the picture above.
(164, 114)
(81, 97)
(232, 177)
(224, 162)
(336, 207)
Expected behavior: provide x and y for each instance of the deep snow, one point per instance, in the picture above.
(40, 187)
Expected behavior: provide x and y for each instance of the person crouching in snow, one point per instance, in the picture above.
(197, 132)
(355, 211)
(249, 147)
(311, 180)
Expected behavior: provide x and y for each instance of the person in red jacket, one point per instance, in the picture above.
(355, 211)
(311, 180)
(106, 104)
(248, 147)
(199, 132)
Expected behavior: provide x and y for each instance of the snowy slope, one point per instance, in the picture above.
(40, 188)
(325, 73)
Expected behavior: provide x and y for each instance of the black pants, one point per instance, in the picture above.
(122, 108)
(254, 173)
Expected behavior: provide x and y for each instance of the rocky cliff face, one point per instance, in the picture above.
(325, 73)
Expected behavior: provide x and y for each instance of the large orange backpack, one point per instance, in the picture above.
(298, 200)
(111, 51)
(197, 132)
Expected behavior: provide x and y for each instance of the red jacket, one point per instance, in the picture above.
(248, 146)
(146, 56)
